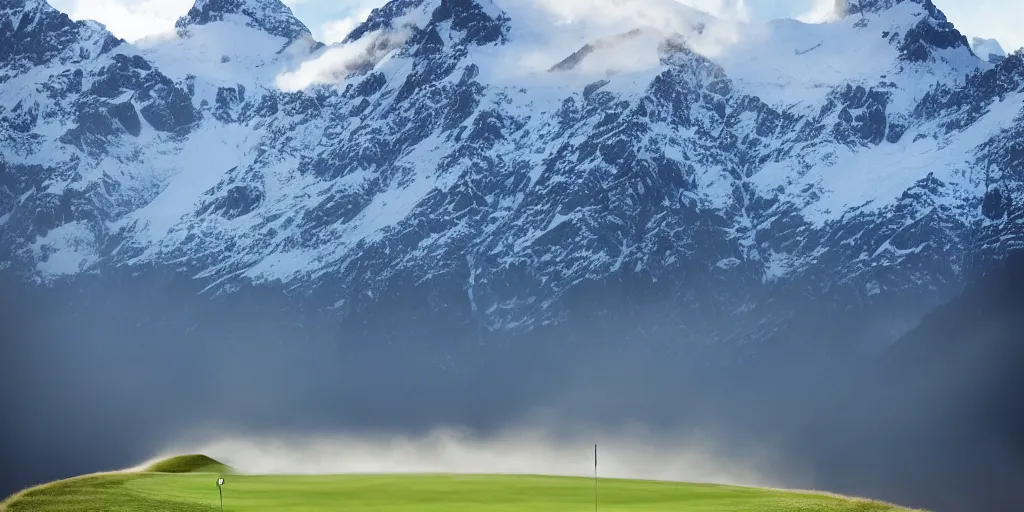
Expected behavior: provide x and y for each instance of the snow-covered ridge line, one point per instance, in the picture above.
(271, 16)
(436, 145)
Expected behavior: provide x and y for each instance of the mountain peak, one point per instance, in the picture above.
(481, 22)
(35, 8)
(919, 44)
(384, 18)
(271, 16)
(988, 49)
(24, 5)
(875, 6)
(33, 33)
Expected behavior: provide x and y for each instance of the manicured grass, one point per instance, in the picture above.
(100, 493)
(197, 492)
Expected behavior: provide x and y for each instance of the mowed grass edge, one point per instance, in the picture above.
(196, 492)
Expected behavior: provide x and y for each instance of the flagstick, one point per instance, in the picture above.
(220, 491)
(595, 478)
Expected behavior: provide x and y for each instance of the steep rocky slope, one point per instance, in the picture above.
(861, 165)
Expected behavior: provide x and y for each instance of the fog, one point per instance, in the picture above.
(627, 453)
(106, 375)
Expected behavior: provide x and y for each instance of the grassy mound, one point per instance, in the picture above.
(188, 464)
(197, 492)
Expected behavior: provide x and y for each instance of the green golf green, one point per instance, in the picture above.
(188, 484)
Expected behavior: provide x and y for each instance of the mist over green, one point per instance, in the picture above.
(188, 484)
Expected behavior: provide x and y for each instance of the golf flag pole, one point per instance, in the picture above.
(595, 478)
(220, 491)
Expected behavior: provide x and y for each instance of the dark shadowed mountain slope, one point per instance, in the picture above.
(730, 187)
(937, 422)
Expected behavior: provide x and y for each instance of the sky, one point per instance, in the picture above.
(331, 20)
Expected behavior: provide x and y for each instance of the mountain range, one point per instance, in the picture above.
(467, 204)
(741, 173)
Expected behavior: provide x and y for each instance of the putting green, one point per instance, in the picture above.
(197, 492)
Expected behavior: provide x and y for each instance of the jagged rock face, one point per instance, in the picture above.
(35, 34)
(271, 16)
(932, 33)
(383, 18)
(877, 6)
(689, 196)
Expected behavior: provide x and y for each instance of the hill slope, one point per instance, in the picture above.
(188, 464)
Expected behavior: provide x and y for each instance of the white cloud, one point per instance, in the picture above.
(645, 12)
(599, 18)
(128, 19)
(334, 64)
(822, 11)
(630, 452)
(135, 19)
(331, 20)
(335, 31)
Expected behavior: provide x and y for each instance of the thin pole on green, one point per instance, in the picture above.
(220, 491)
(595, 478)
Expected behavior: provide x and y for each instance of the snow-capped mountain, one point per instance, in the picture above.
(269, 16)
(489, 163)
(988, 49)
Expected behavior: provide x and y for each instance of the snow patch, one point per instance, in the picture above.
(187, 172)
(224, 54)
(986, 49)
(65, 250)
